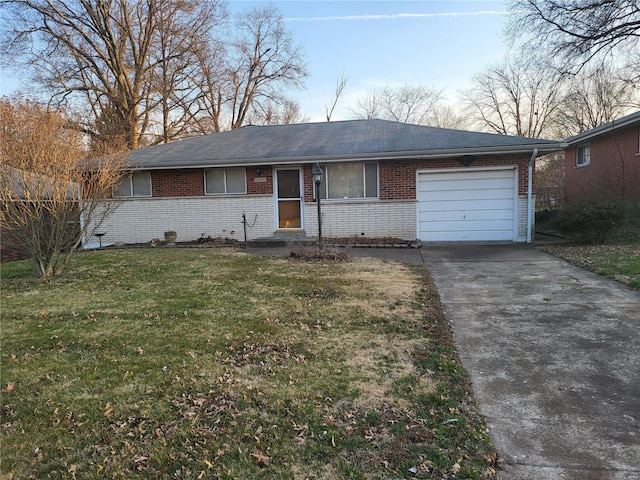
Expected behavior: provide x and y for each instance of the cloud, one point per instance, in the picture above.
(394, 16)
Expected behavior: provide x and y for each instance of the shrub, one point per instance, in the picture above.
(546, 216)
(590, 221)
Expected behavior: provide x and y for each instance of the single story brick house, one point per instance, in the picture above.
(604, 162)
(381, 179)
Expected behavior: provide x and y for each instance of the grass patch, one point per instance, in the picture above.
(618, 259)
(217, 364)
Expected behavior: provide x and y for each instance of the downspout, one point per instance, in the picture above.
(530, 195)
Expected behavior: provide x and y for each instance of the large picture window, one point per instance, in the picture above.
(225, 180)
(583, 156)
(137, 184)
(349, 181)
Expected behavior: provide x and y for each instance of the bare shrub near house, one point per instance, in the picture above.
(49, 200)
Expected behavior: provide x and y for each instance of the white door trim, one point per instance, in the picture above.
(276, 219)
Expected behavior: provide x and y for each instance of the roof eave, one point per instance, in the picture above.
(608, 127)
(542, 149)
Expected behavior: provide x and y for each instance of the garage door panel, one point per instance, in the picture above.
(454, 175)
(466, 236)
(476, 215)
(467, 205)
(465, 195)
(462, 205)
(470, 226)
(467, 184)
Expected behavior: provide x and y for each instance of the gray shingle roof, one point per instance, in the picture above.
(330, 142)
(622, 122)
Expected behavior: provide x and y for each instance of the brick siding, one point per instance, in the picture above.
(8, 252)
(190, 182)
(613, 172)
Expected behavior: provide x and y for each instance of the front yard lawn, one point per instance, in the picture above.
(619, 259)
(204, 363)
(618, 262)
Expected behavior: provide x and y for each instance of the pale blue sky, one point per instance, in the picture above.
(378, 43)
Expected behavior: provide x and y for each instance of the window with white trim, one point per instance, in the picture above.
(219, 181)
(349, 181)
(136, 184)
(583, 155)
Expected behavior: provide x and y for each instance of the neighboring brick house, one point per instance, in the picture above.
(8, 251)
(604, 162)
(380, 179)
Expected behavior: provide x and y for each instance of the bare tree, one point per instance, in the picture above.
(409, 103)
(283, 112)
(341, 83)
(576, 31)
(120, 58)
(49, 203)
(368, 106)
(446, 116)
(514, 98)
(598, 94)
(550, 181)
(176, 76)
(245, 76)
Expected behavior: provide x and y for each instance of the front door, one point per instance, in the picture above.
(288, 198)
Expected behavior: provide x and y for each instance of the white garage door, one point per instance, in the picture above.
(467, 205)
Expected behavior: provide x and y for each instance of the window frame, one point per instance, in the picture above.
(132, 194)
(581, 161)
(324, 186)
(226, 184)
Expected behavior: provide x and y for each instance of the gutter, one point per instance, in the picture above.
(534, 154)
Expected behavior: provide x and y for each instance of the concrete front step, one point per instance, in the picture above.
(280, 238)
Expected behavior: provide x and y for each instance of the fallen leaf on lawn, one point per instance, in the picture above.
(455, 468)
(108, 409)
(140, 350)
(261, 457)
(11, 386)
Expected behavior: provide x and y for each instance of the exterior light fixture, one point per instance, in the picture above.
(317, 180)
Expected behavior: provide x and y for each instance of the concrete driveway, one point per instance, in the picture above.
(554, 355)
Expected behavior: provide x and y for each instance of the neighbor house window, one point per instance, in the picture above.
(583, 155)
(349, 180)
(225, 180)
(137, 184)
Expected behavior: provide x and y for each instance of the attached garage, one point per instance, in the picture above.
(468, 204)
(381, 179)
